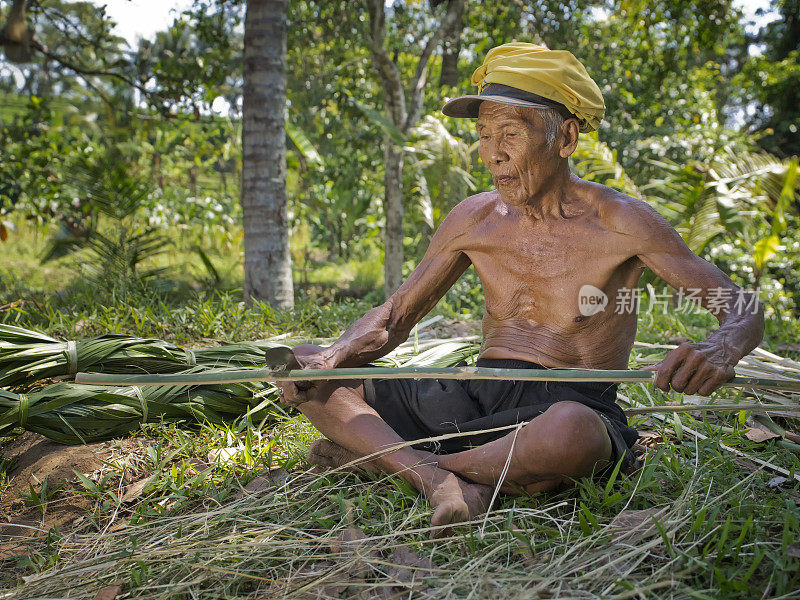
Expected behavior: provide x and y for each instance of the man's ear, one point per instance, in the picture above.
(569, 140)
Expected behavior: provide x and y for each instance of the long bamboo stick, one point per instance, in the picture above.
(263, 374)
(755, 407)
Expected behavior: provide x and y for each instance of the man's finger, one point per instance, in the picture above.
(690, 367)
(699, 379)
(718, 377)
(668, 366)
(709, 386)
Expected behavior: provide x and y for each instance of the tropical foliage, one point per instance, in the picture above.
(121, 240)
(175, 135)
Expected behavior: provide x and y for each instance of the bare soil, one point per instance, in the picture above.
(34, 460)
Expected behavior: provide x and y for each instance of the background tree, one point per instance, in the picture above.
(403, 109)
(172, 108)
(267, 266)
(770, 82)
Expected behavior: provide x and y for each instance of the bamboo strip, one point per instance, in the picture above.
(722, 407)
(463, 373)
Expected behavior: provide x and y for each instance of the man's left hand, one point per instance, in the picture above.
(693, 368)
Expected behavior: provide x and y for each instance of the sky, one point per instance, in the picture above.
(143, 18)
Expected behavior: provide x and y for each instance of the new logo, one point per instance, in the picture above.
(591, 300)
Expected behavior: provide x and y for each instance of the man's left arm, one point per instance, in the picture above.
(698, 367)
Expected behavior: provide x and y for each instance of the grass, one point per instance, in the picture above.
(709, 529)
(168, 519)
(56, 298)
(353, 279)
(40, 496)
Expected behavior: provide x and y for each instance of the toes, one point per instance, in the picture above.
(318, 456)
(330, 454)
(324, 452)
(447, 514)
(450, 512)
(320, 460)
(317, 446)
(461, 514)
(441, 516)
(330, 448)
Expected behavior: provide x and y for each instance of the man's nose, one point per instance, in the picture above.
(498, 155)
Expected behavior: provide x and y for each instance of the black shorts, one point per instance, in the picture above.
(422, 408)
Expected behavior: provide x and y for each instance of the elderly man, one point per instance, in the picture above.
(537, 241)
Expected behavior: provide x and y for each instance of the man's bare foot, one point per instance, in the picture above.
(454, 500)
(448, 503)
(330, 455)
(477, 496)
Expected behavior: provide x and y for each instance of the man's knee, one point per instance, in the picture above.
(580, 432)
(330, 392)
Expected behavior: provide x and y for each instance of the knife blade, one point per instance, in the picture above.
(281, 359)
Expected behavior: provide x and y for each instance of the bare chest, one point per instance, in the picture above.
(550, 274)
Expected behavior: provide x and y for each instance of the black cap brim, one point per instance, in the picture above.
(467, 106)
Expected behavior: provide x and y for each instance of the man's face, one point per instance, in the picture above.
(515, 150)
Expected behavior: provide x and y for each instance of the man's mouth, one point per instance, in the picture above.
(503, 179)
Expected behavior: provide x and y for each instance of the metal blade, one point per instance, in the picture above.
(281, 359)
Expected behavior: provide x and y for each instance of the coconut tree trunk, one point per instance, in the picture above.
(267, 262)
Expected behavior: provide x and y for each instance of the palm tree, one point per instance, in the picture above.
(267, 259)
(442, 163)
(738, 193)
(734, 194)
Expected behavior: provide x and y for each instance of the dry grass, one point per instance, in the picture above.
(286, 542)
(697, 521)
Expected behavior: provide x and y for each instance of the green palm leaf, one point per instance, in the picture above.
(27, 356)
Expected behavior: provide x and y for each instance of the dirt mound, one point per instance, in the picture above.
(32, 459)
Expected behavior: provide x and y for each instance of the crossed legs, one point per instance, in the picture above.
(355, 430)
(567, 441)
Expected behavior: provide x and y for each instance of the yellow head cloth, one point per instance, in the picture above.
(553, 74)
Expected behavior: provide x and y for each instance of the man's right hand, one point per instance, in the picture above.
(289, 393)
(310, 357)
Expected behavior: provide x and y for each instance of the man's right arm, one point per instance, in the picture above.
(385, 327)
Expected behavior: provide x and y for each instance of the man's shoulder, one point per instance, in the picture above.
(621, 212)
(641, 228)
(482, 201)
(460, 224)
(476, 208)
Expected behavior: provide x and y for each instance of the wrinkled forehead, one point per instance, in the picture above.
(490, 112)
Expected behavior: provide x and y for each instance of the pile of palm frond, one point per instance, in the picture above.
(71, 413)
(28, 356)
